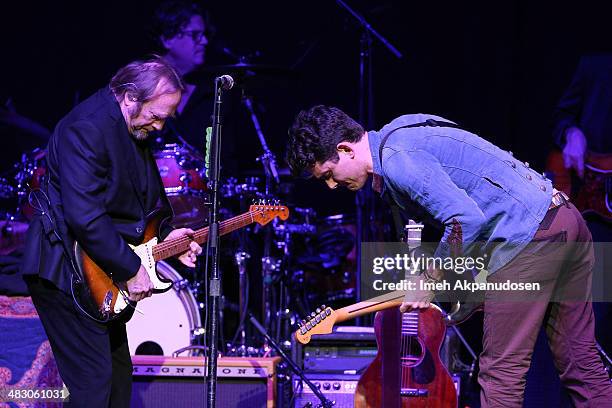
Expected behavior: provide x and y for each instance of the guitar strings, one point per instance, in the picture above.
(408, 327)
(184, 241)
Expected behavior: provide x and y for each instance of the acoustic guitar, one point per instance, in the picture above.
(407, 371)
(100, 295)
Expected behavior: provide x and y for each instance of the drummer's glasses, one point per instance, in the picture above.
(196, 35)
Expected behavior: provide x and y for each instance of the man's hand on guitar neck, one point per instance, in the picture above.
(417, 298)
(139, 286)
(189, 257)
(574, 150)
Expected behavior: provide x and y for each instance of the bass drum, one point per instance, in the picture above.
(169, 321)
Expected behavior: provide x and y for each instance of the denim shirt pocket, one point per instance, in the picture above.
(489, 189)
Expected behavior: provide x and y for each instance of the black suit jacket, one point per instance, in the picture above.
(97, 194)
(587, 104)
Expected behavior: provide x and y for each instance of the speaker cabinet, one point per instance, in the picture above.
(181, 382)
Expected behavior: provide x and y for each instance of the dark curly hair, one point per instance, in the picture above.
(314, 135)
(172, 16)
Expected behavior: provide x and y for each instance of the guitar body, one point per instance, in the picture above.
(407, 371)
(593, 195)
(100, 295)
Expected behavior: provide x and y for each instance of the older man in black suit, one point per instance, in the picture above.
(102, 182)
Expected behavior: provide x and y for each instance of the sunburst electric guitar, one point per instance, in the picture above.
(100, 295)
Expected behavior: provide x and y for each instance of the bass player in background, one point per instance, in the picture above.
(102, 183)
(583, 131)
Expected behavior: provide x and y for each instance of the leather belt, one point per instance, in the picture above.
(559, 198)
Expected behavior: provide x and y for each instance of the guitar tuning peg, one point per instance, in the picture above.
(318, 310)
(303, 322)
(323, 307)
(313, 314)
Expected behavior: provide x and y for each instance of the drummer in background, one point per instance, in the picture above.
(182, 30)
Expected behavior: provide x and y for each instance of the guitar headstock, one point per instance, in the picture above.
(321, 322)
(266, 210)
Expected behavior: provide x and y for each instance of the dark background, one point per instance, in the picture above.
(496, 67)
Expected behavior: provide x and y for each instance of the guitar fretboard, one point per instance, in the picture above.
(177, 246)
(410, 323)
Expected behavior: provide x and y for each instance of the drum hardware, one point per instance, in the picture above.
(269, 268)
(181, 284)
(238, 346)
(301, 229)
(248, 189)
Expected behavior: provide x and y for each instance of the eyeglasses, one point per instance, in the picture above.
(196, 35)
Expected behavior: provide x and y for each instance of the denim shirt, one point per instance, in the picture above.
(450, 173)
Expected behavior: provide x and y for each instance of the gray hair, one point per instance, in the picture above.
(139, 79)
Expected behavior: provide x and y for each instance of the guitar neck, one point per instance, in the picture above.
(177, 246)
(393, 299)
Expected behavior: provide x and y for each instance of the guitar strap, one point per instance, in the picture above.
(395, 211)
(39, 200)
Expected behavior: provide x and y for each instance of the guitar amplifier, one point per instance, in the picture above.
(334, 363)
(348, 350)
(181, 382)
(339, 388)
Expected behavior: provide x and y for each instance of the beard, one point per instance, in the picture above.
(139, 133)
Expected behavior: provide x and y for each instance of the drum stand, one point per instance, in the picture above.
(238, 347)
(269, 265)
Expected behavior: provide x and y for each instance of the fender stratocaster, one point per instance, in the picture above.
(109, 302)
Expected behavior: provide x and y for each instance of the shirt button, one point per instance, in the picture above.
(513, 164)
(139, 230)
(543, 188)
(528, 177)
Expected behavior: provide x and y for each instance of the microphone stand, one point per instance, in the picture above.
(325, 403)
(364, 200)
(212, 247)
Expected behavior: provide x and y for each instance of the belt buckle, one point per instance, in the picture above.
(558, 199)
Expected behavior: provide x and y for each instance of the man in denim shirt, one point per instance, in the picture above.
(501, 205)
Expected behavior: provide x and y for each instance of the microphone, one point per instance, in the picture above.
(226, 82)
